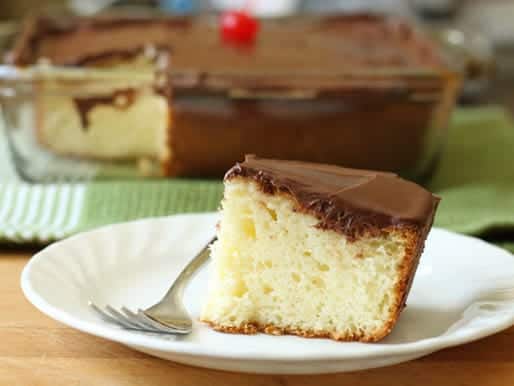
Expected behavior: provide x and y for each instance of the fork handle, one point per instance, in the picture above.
(188, 272)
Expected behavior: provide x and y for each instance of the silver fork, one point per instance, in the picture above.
(168, 316)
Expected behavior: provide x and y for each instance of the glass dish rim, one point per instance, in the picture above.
(17, 80)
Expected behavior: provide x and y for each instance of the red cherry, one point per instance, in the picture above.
(238, 27)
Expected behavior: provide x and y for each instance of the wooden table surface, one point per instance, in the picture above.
(35, 350)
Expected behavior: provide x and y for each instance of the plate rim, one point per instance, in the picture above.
(367, 351)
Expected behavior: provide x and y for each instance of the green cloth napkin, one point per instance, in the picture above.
(43, 213)
(475, 178)
(107, 202)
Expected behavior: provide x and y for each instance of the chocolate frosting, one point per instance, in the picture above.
(301, 52)
(349, 201)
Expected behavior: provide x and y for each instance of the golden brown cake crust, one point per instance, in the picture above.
(414, 237)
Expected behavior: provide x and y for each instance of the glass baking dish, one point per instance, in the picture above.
(44, 103)
(127, 121)
(398, 125)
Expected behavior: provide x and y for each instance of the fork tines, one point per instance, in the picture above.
(133, 321)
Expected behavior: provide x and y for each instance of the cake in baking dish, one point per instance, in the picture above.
(315, 250)
(356, 90)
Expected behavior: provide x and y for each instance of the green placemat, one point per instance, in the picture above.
(475, 178)
(107, 202)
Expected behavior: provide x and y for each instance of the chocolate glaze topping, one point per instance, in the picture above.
(288, 52)
(350, 201)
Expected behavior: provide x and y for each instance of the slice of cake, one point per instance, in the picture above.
(315, 250)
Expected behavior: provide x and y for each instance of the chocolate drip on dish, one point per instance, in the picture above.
(121, 99)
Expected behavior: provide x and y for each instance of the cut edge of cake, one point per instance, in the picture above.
(125, 123)
(81, 125)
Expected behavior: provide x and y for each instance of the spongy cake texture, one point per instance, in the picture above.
(276, 271)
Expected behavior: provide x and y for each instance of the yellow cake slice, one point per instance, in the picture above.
(315, 250)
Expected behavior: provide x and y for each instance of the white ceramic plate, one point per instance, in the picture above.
(133, 264)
